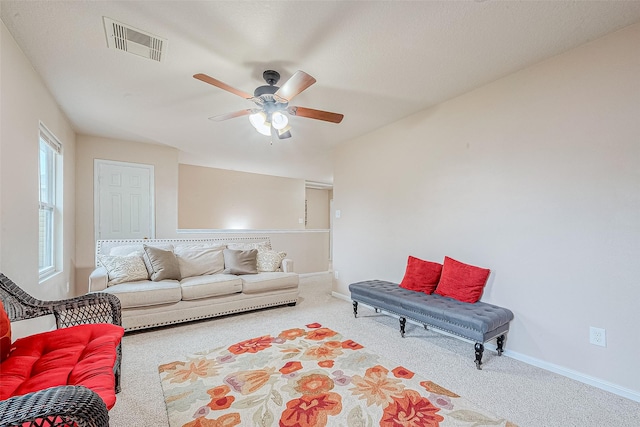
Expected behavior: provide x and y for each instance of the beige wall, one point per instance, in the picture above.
(165, 162)
(317, 208)
(24, 102)
(222, 199)
(536, 176)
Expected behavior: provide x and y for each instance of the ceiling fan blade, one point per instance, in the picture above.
(221, 85)
(316, 114)
(232, 115)
(296, 84)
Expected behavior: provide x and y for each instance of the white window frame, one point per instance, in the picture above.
(49, 196)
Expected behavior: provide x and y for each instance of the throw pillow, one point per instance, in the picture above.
(462, 281)
(122, 269)
(198, 261)
(241, 262)
(5, 334)
(163, 263)
(270, 260)
(421, 275)
(129, 250)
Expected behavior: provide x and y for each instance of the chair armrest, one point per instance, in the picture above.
(287, 265)
(65, 405)
(97, 307)
(98, 280)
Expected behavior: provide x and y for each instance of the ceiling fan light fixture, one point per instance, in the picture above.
(279, 120)
(264, 129)
(257, 119)
(283, 130)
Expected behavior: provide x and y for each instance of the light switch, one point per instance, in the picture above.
(337, 213)
(300, 221)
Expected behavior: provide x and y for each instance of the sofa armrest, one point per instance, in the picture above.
(287, 265)
(64, 405)
(98, 280)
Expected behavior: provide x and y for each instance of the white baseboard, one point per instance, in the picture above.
(565, 372)
(575, 375)
(340, 296)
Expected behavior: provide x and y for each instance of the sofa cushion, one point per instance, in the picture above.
(462, 281)
(122, 269)
(421, 275)
(241, 262)
(268, 281)
(145, 293)
(198, 260)
(80, 355)
(5, 333)
(210, 285)
(163, 262)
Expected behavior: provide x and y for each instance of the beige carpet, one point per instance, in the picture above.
(521, 393)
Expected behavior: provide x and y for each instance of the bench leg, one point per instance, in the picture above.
(403, 322)
(500, 342)
(479, 349)
(355, 309)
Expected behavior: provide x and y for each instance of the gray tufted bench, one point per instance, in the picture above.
(479, 322)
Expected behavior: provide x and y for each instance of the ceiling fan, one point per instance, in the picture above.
(272, 102)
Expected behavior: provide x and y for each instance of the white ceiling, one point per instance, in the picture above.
(375, 62)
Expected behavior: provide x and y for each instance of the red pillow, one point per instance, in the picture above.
(462, 281)
(5, 334)
(421, 275)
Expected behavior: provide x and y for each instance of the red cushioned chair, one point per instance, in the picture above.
(65, 377)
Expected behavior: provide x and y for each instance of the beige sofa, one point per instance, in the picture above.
(166, 281)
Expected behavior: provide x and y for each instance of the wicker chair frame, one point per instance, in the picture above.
(55, 407)
(64, 405)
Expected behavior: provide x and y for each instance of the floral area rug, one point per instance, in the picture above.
(310, 376)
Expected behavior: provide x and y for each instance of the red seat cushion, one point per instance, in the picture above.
(79, 355)
(5, 334)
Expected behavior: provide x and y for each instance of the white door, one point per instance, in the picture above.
(124, 207)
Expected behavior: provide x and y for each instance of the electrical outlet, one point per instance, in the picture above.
(597, 336)
(336, 274)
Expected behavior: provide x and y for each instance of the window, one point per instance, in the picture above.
(50, 150)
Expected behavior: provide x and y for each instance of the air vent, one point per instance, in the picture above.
(123, 37)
